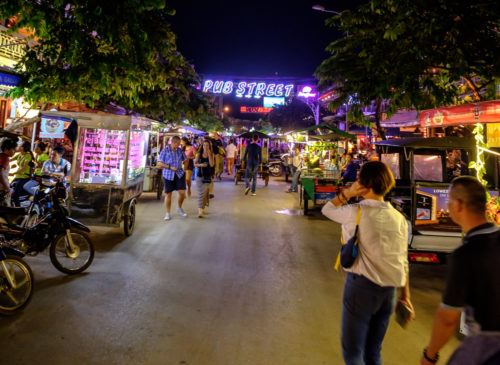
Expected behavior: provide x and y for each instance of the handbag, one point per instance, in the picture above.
(349, 250)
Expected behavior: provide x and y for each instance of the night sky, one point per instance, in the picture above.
(254, 38)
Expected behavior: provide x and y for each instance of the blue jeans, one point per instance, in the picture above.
(30, 186)
(254, 171)
(295, 179)
(366, 310)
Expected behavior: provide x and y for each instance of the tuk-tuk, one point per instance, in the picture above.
(423, 169)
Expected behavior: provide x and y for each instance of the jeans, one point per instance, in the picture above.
(254, 171)
(295, 179)
(366, 310)
(30, 186)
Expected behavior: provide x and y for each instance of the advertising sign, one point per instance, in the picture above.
(53, 127)
(248, 89)
(271, 102)
(255, 109)
(483, 112)
(493, 134)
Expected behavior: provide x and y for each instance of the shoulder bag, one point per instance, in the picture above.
(349, 251)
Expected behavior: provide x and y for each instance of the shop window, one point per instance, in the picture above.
(392, 160)
(428, 168)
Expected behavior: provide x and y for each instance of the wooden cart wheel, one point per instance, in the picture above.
(129, 219)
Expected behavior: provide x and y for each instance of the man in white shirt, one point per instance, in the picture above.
(231, 153)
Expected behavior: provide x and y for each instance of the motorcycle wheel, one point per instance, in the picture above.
(129, 220)
(15, 299)
(276, 170)
(63, 262)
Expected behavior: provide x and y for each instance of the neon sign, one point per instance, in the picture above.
(247, 89)
(255, 109)
(306, 92)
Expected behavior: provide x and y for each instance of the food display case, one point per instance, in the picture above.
(108, 168)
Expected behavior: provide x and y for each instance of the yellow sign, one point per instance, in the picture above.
(493, 134)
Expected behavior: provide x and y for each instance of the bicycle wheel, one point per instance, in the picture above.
(72, 262)
(15, 297)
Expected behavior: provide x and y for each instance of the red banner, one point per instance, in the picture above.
(483, 112)
(255, 109)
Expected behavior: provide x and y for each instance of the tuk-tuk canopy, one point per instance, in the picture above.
(251, 134)
(326, 132)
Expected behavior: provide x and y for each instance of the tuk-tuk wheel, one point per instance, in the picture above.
(129, 219)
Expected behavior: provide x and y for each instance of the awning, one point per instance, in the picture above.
(482, 112)
(326, 130)
(403, 118)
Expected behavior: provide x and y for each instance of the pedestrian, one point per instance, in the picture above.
(190, 152)
(472, 283)
(380, 267)
(174, 178)
(40, 157)
(296, 169)
(351, 169)
(219, 153)
(23, 174)
(8, 150)
(252, 159)
(231, 154)
(204, 161)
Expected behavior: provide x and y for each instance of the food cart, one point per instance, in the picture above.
(321, 184)
(264, 168)
(107, 168)
(423, 174)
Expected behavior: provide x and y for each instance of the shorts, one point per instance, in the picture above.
(178, 183)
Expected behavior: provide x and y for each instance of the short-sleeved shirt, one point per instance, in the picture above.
(231, 150)
(5, 167)
(21, 160)
(50, 166)
(473, 280)
(40, 159)
(173, 159)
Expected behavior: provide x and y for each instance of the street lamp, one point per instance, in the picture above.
(322, 8)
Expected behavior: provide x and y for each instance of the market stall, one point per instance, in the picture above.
(108, 167)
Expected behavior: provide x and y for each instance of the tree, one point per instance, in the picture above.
(413, 54)
(98, 52)
(293, 115)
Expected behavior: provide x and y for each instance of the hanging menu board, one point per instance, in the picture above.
(137, 155)
(103, 156)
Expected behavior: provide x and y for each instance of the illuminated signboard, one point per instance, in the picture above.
(306, 91)
(273, 101)
(247, 89)
(53, 127)
(255, 109)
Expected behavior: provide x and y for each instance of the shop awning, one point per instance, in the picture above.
(482, 112)
(403, 118)
(186, 129)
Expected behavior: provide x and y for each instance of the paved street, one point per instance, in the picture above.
(253, 283)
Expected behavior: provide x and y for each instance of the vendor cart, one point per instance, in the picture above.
(108, 168)
(243, 139)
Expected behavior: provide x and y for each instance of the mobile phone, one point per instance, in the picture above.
(403, 314)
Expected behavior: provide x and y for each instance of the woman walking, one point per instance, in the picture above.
(381, 266)
(189, 150)
(204, 161)
(231, 154)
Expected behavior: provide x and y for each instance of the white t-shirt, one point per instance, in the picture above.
(231, 150)
(383, 240)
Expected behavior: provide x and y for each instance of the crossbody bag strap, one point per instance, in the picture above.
(358, 216)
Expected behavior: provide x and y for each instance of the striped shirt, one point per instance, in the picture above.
(173, 159)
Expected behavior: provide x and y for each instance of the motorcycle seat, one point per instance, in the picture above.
(12, 210)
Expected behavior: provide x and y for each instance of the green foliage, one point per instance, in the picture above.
(208, 123)
(294, 115)
(417, 54)
(97, 52)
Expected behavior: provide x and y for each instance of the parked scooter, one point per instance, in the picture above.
(71, 250)
(278, 166)
(16, 281)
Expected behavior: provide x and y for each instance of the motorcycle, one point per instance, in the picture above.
(70, 249)
(278, 166)
(16, 281)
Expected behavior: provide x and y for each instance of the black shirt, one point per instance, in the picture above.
(254, 154)
(473, 280)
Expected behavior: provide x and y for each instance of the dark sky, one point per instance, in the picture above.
(254, 38)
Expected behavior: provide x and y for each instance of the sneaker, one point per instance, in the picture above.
(247, 190)
(167, 216)
(253, 194)
(181, 212)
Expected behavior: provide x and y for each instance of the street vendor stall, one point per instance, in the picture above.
(320, 179)
(107, 168)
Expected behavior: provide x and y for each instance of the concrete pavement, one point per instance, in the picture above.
(252, 283)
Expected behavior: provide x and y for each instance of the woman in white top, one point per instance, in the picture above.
(231, 152)
(381, 265)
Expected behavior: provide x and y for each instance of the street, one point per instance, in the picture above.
(252, 283)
